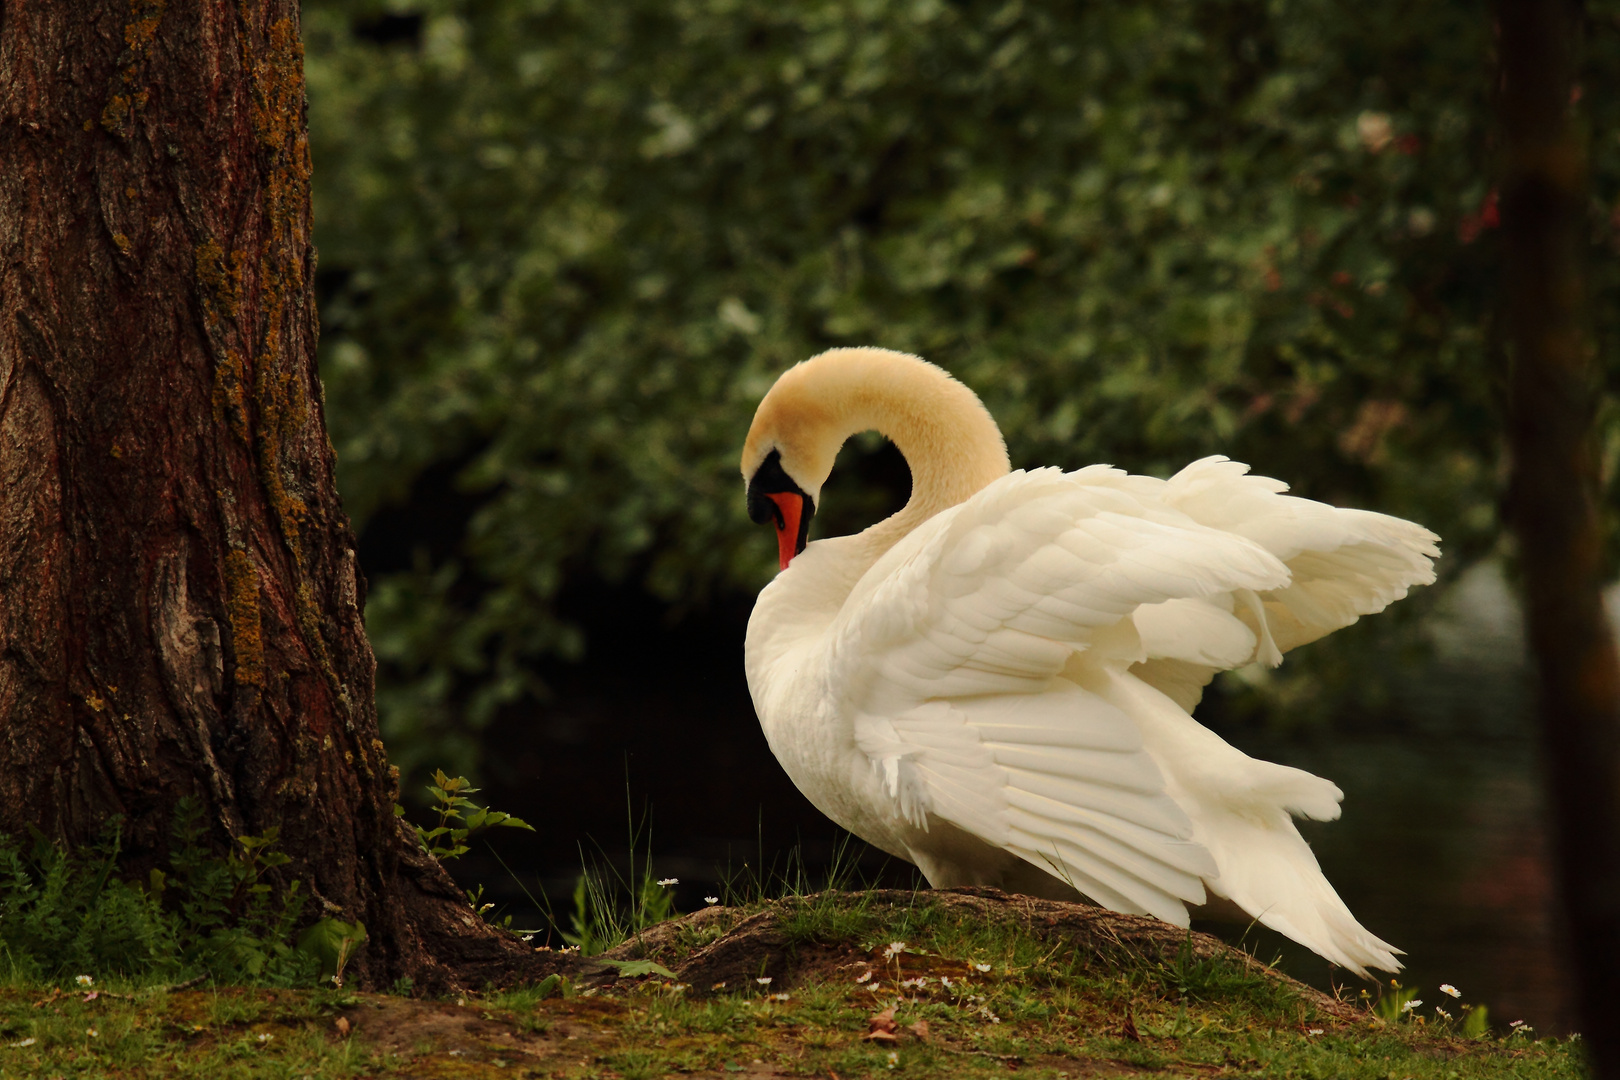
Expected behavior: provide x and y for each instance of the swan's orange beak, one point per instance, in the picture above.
(774, 497)
(790, 508)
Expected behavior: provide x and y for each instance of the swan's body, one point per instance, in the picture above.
(996, 682)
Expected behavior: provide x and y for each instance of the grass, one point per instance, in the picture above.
(994, 997)
(839, 983)
(135, 1032)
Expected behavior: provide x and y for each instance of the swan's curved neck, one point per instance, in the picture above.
(949, 440)
(950, 457)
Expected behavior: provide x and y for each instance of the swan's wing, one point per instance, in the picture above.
(1242, 808)
(1342, 564)
(950, 654)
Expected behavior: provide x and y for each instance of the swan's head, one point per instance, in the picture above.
(950, 442)
(788, 455)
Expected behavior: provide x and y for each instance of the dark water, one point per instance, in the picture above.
(1440, 850)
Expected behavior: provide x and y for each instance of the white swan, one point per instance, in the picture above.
(995, 682)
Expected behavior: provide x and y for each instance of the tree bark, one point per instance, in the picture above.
(180, 606)
(1554, 486)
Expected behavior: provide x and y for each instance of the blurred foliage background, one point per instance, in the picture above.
(567, 245)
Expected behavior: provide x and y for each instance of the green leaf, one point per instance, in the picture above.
(635, 969)
(331, 941)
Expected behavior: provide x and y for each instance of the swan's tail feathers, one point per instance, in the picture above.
(1268, 870)
(1295, 791)
(1241, 810)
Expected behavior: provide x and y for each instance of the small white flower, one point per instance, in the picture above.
(893, 949)
(1313, 1031)
(528, 937)
(263, 1038)
(981, 967)
(894, 1058)
(865, 977)
(668, 881)
(92, 1032)
(1438, 1011)
(711, 899)
(779, 997)
(1410, 1005)
(1447, 988)
(945, 981)
(84, 980)
(764, 980)
(919, 981)
(26, 1042)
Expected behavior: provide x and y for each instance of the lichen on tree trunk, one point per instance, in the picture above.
(180, 604)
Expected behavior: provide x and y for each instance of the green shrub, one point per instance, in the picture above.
(70, 913)
(567, 245)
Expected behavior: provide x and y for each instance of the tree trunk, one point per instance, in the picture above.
(1553, 489)
(180, 607)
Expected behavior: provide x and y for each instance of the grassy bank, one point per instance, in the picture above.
(836, 985)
